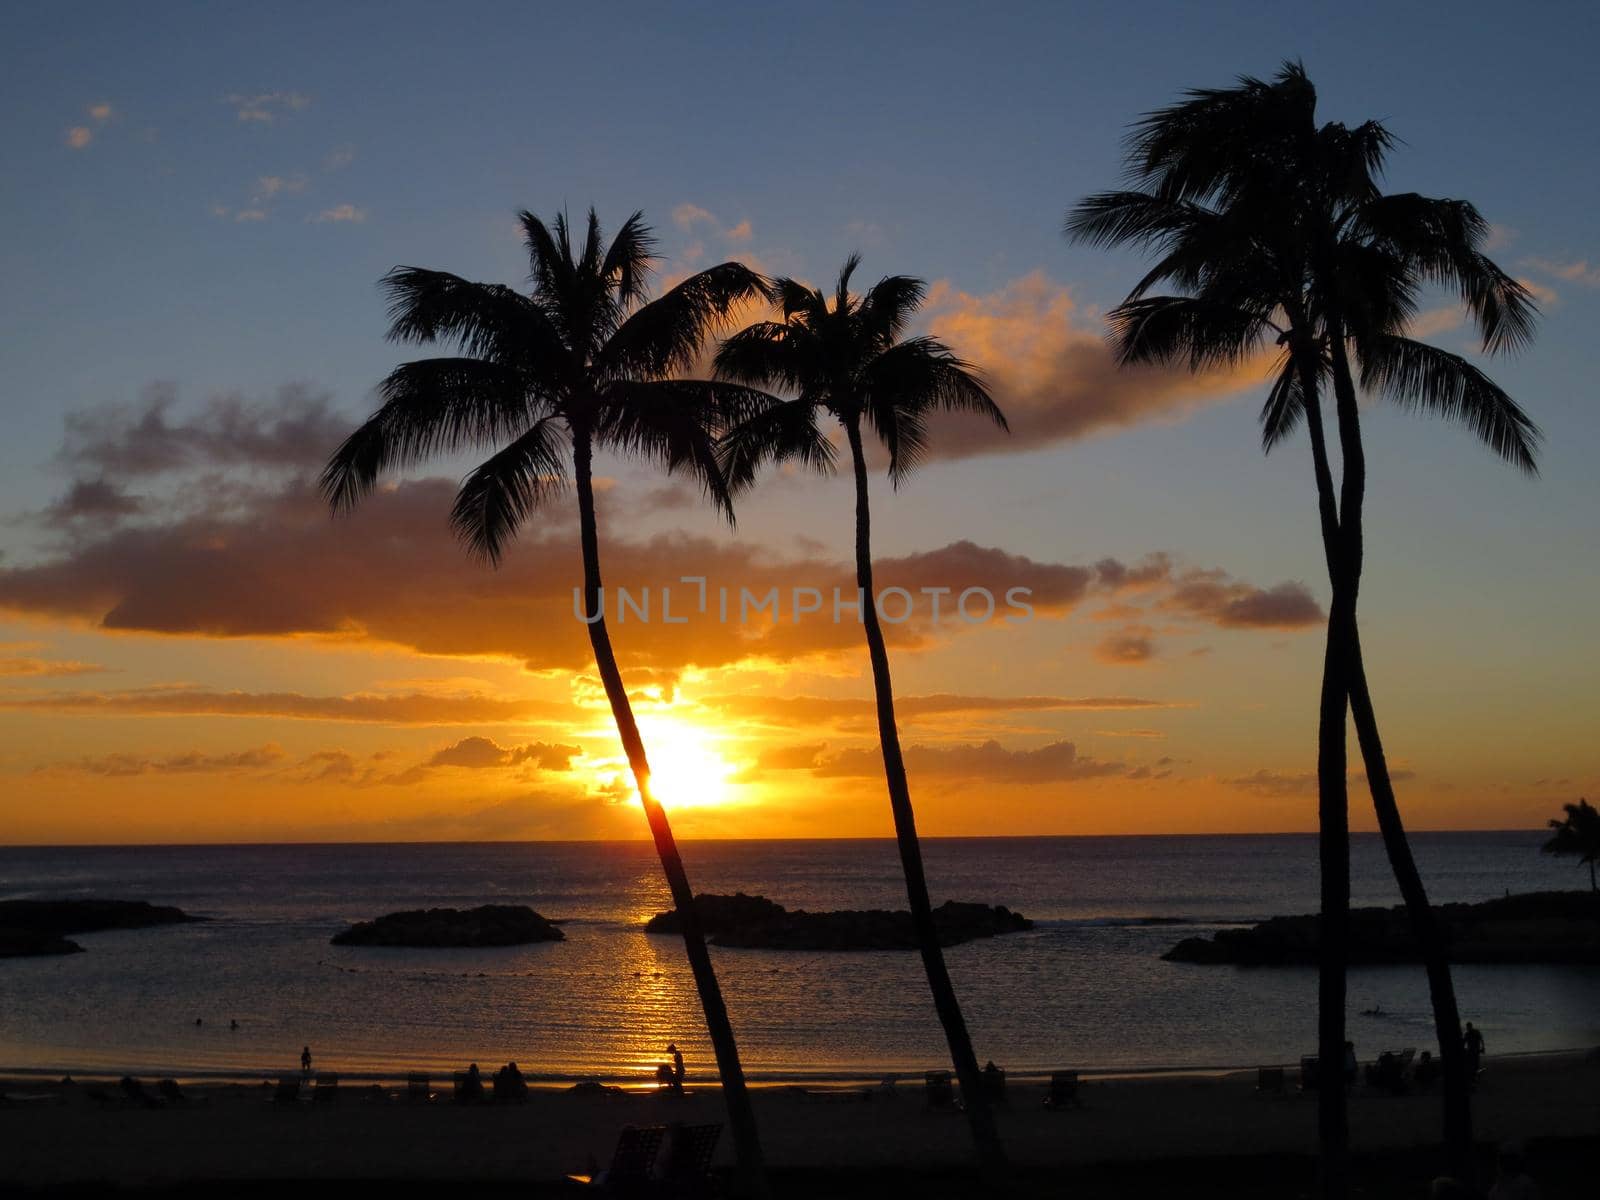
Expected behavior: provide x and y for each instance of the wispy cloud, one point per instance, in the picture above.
(265, 107)
(340, 213)
(79, 137)
(1572, 271)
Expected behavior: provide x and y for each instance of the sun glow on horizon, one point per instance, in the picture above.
(687, 766)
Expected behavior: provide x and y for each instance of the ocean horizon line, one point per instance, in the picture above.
(645, 841)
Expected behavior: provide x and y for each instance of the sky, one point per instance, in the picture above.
(199, 201)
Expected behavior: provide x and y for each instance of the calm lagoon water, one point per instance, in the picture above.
(1086, 988)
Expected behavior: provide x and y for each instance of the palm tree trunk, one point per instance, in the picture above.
(741, 1116)
(980, 1116)
(1455, 1085)
(1333, 838)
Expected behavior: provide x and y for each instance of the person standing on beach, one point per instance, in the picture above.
(1472, 1042)
(677, 1066)
(305, 1061)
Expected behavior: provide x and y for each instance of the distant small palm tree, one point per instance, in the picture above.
(1274, 231)
(1578, 834)
(849, 360)
(583, 363)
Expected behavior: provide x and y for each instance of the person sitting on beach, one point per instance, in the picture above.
(1426, 1070)
(509, 1080)
(664, 1074)
(1472, 1042)
(677, 1067)
(471, 1091)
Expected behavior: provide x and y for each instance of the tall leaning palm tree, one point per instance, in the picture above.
(543, 380)
(1274, 230)
(849, 360)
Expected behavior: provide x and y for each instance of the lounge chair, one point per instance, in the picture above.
(1269, 1081)
(1063, 1091)
(632, 1162)
(288, 1091)
(134, 1091)
(686, 1174)
(417, 1086)
(939, 1092)
(327, 1089)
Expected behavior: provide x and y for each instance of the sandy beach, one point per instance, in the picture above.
(56, 1136)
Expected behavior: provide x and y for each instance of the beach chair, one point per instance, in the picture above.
(1269, 1081)
(288, 1091)
(939, 1092)
(686, 1174)
(417, 1086)
(633, 1162)
(1310, 1072)
(134, 1092)
(1063, 1091)
(327, 1089)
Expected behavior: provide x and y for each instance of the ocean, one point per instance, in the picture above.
(1086, 988)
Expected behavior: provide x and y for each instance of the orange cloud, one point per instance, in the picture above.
(1058, 762)
(413, 708)
(1049, 367)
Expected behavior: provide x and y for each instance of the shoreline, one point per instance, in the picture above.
(71, 1137)
(642, 1081)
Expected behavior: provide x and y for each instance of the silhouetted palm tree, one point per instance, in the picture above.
(849, 360)
(582, 363)
(1274, 230)
(1578, 833)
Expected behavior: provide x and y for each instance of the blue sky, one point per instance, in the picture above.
(245, 174)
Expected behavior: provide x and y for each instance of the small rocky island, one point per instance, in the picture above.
(1538, 927)
(756, 923)
(36, 927)
(487, 925)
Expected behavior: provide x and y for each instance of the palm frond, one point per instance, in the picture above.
(1196, 331)
(1415, 375)
(431, 406)
(887, 307)
(768, 354)
(786, 431)
(841, 293)
(909, 380)
(629, 260)
(483, 320)
(666, 335)
(1141, 218)
(497, 497)
(1285, 406)
(675, 423)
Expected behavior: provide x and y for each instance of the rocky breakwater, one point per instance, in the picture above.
(754, 922)
(1538, 927)
(34, 927)
(487, 925)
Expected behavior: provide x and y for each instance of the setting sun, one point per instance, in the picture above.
(686, 764)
